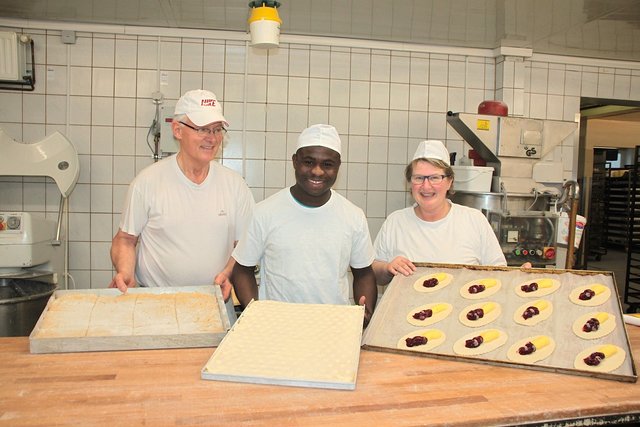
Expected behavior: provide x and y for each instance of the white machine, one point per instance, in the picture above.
(32, 254)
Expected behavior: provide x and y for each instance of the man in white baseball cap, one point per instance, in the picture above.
(201, 107)
(184, 214)
(306, 237)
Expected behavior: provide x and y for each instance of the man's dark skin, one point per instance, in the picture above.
(316, 170)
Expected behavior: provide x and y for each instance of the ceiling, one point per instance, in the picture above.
(608, 29)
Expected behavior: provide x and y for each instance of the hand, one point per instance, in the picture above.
(367, 313)
(223, 281)
(400, 265)
(526, 265)
(122, 282)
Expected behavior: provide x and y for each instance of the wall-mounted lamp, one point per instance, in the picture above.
(264, 24)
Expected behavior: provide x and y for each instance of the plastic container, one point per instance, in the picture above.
(473, 178)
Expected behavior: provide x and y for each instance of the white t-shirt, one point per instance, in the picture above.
(186, 230)
(464, 236)
(305, 253)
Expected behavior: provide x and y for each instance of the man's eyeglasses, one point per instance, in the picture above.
(219, 131)
(433, 179)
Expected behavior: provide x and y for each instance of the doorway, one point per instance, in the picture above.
(609, 132)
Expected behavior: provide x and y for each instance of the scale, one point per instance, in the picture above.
(32, 256)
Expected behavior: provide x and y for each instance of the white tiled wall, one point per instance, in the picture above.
(383, 102)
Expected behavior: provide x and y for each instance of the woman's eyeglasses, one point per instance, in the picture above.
(219, 131)
(433, 179)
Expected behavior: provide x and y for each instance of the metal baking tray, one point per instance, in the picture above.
(389, 322)
(72, 335)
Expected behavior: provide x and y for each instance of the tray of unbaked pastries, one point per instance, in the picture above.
(143, 318)
(567, 321)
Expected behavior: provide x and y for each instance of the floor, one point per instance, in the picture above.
(614, 260)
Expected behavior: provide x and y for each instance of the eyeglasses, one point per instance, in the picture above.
(433, 179)
(219, 131)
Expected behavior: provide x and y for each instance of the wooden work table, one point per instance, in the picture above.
(163, 387)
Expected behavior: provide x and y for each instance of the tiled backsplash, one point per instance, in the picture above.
(98, 92)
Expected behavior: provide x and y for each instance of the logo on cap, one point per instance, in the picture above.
(208, 103)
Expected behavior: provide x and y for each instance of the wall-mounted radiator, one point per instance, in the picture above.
(16, 61)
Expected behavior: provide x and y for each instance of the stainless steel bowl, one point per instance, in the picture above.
(500, 202)
(21, 304)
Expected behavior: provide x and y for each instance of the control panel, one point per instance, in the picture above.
(528, 236)
(10, 222)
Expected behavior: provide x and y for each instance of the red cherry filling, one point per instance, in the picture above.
(476, 289)
(476, 314)
(421, 315)
(592, 324)
(531, 287)
(586, 295)
(530, 312)
(415, 341)
(528, 348)
(474, 342)
(430, 283)
(594, 359)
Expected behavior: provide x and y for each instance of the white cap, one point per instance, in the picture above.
(432, 149)
(201, 106)
(320, 135)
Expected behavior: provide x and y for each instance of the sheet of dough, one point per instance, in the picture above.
(91, 315)
(272, 342)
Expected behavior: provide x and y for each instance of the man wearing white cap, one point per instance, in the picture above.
(434, 229)
(183, 215)
(306, 237)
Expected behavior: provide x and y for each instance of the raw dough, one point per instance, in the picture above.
(605, 327)
(485, 320)
(460, 349)
(443, 280)
(553, 286)
(608, 364)
(593, 302)
(90, 315)
(429, 320)
(277, 342)
(430, 345)
(534, 357)
(464, 290)
(534, 320)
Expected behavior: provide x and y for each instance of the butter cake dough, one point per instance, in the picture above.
(439, 311)
(546, 286)
(439, 279)
(434, 338)
(489, 286)
(491, 311)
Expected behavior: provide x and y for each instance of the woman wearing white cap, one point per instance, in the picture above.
(434, 229)
(184, 214)
(306, 237)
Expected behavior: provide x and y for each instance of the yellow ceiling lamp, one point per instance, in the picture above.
(264, 24)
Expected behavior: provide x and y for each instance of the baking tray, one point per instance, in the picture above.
(165, 330)
(302, 345)
(389, 322)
